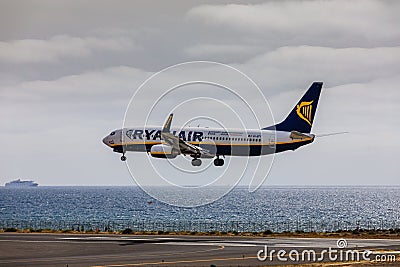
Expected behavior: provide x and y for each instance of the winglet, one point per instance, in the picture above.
(167, 125)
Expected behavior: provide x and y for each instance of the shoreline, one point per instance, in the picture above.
(360, 234)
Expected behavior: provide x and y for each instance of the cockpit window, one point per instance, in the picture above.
(112, 133)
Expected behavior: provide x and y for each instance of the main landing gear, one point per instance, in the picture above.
(196, 162)
(218, 161)
(123, 158)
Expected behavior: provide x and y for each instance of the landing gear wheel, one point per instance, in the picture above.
(218, 162)
(196, 162)
(123, 158)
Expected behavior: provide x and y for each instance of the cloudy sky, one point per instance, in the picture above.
(68, 70)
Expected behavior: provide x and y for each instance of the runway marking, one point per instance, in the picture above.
(175, 262)
(95, 257)
(225, 244)
(57, 241)
(124, 238)
(217, 259)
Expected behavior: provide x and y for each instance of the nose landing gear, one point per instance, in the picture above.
(196, 162)
(123, 158)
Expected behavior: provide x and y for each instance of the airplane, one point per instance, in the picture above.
(202, 142)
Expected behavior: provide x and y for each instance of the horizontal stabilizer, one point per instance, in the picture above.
(300, 136)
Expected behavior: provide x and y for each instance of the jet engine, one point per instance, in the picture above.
(163, 151)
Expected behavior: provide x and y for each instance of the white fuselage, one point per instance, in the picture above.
(232, 142)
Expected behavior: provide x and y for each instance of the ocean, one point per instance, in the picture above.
(270, 208)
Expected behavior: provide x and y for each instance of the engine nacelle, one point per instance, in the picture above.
(163, 151)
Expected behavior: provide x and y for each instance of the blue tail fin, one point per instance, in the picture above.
(302, 116)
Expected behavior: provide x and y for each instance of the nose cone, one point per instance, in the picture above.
(110, 139)
(105, 140)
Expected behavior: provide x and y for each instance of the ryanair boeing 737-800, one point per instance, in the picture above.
(201, 142)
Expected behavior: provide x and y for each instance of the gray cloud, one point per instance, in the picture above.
(223, 52)
(57, 48)
(68, 70)
(335, 23)
(292, 67)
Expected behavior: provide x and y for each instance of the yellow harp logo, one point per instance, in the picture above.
(304, 110)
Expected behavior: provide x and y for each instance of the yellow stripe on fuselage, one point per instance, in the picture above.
(217, 144)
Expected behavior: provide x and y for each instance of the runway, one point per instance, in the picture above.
(17, 249)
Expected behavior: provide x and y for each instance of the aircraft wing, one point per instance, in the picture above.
(180, 144)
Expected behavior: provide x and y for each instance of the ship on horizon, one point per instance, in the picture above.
(21, 184)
